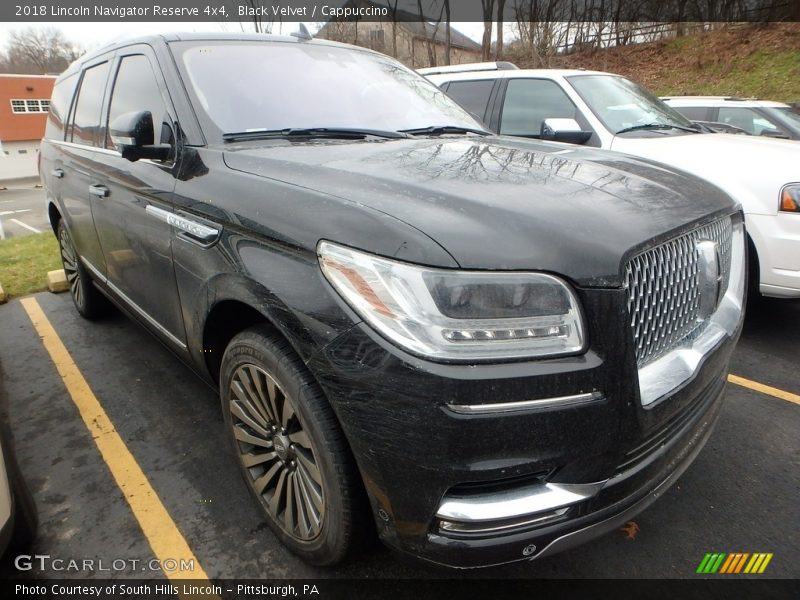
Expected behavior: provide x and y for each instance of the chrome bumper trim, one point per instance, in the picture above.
(524, 405)
(515, 503)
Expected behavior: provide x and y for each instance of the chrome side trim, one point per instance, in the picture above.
(84, 147)
(517, 502)
(668, 372)
(95, 271)
(524, 405)
(201, 232)
(133, 306)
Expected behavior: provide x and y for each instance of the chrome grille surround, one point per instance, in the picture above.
(663, 289)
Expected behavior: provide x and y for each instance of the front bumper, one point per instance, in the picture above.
(777, 241)
(608, 454)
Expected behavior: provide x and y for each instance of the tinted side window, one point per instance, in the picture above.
(529, 102)
(472, 95)
(136, 90)
(59, 107)
(695, 113)
(86, 119)
(747, 119)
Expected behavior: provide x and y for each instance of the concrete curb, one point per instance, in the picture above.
(57, 281)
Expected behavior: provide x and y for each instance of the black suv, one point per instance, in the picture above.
(497, 347)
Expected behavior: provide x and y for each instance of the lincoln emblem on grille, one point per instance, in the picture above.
(709, 278)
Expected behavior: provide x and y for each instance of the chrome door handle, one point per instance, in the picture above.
(58, 173)
(100, 191)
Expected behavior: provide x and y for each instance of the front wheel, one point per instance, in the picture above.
(290, 448)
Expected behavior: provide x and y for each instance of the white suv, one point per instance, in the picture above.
(756, 117)
(608, 111)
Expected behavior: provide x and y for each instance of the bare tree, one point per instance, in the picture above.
(447, 32)
(488, 10)
(501, 6)
(393, 12)
(38, 51)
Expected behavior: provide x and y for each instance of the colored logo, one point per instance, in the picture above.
(735, 562)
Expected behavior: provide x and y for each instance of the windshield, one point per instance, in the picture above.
(266, 86)
(621, 104)
(788, 115)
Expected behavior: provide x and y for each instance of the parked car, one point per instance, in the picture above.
(609, 111)
(717, 127)
(756, 117)
(494, 349)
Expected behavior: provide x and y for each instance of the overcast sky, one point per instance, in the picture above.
(92, 35)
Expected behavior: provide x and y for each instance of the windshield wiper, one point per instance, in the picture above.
(443, 129)
(312, 132)
(657, 126)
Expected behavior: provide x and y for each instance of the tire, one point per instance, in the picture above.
(299, 469)
(88, 300)
(26, 518)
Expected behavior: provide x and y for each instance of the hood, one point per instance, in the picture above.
(502, 203)
(751, 169)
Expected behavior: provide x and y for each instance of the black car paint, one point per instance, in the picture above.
(445, 201)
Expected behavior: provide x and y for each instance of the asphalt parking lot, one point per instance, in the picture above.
(741, 494)
(22, 208)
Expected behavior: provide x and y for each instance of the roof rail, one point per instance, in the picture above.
(468, 68)
(732, 98)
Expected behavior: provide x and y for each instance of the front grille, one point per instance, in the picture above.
(663, 289)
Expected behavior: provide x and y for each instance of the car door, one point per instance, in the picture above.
(526, 103)
(79, 158)
(475, 96)
(131, 199)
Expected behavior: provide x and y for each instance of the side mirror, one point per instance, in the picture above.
(133, 135)
(773, 133)
(564, 130)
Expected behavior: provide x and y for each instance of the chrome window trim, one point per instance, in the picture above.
(524, 405)
(663, 375)
(135, 307)
(84, 147)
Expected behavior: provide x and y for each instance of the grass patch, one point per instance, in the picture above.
(25, 261)
(772, 75)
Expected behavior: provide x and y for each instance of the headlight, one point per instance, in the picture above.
(790, 198)
(457, 315)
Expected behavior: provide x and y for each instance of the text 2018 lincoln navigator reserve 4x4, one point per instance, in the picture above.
(497, 347)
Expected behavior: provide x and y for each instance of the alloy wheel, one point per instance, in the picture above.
(276, 452)
(70, 261)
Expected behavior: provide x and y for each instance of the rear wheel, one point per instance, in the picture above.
(89, 302)
(290, 448)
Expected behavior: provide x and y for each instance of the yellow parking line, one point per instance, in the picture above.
(764, 389)
(161, 532)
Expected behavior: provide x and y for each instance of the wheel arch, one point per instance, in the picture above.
(54, 215)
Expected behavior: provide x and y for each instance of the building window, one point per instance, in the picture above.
(22, 151)
(30, 106)
(376, 38)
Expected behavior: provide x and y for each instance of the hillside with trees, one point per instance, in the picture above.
(748, 60)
